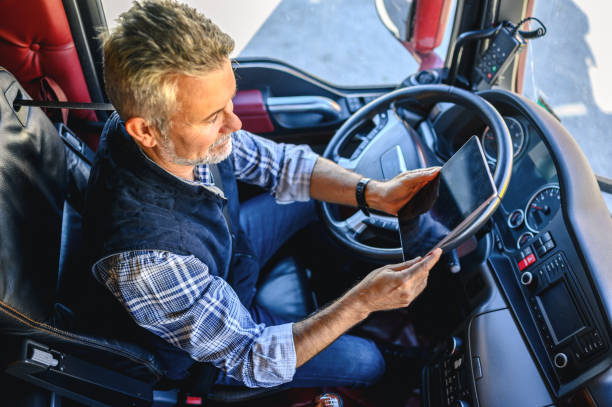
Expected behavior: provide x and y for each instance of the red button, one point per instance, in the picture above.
(35, 47)
(526, 262)
(194, 401)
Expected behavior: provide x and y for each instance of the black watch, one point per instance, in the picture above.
(360, 195)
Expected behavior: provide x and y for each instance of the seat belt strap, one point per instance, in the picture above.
(51, 91)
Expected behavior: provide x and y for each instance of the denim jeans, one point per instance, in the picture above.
(350, 360)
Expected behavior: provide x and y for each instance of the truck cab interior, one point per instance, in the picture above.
(519, 314)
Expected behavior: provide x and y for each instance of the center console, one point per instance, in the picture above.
(555, 306)
(558, 307)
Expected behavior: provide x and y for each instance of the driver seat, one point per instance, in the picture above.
(42, 185)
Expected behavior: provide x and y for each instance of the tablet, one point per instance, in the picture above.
(444, 207)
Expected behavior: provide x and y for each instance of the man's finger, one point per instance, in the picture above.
(427, 262)
(429, 172)
(404, 265)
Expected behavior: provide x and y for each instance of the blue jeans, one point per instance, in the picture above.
(350, 360)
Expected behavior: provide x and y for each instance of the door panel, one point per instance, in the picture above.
(283, 103)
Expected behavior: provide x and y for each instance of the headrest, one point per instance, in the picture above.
(33, 184)
(36, 42)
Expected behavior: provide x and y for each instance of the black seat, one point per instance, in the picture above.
(43, 178)
(39, 176)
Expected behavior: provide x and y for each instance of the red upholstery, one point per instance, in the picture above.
(250, 107)
(35, 41)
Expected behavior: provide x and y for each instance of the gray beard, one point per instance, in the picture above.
(169, 153)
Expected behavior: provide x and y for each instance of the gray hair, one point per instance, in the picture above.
(154, 43)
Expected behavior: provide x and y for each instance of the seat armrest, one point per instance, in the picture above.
(74, 378)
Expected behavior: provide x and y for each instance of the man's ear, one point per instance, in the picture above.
(142, 132)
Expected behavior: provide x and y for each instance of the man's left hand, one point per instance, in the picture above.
(390, 196)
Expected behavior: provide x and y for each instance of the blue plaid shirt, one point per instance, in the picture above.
(176, 297)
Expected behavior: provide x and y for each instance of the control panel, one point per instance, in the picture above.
(504, 47)
(448, 377)
(564, 321)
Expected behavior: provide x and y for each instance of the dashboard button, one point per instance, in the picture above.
(540, 250)
(560, 360)
(527, 279)
(526, 251)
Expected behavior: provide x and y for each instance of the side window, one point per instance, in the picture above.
(569, 71)
(340, 41)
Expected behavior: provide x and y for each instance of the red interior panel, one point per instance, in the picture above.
(251, 109)
(35, 41)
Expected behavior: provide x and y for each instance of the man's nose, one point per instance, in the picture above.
(233, 122)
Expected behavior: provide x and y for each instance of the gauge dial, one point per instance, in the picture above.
(516, 218)
(524, 238)
(489, 142)
(542, 207)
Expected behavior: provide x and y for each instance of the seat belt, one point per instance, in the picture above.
(218, 181)
(51, 91)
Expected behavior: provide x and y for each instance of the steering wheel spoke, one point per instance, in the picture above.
(354, 225)
(349, 164)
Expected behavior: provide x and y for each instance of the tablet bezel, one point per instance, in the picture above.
(449, 241)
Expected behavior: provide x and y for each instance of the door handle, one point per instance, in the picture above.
(283, 108)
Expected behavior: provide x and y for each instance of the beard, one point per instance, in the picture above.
(211, 157)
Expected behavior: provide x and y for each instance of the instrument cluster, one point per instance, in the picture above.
(533, 198)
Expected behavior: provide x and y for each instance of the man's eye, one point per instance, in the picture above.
(214, 118)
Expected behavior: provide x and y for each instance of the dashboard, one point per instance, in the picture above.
(542, 332)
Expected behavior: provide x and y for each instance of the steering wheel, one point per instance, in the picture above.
(378, 144)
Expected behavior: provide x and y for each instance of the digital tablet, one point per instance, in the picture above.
(444, 207)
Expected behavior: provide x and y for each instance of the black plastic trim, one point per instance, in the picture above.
(84, 19)
(77, 379)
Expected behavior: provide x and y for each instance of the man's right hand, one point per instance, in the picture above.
(389, 287)
(393, 286)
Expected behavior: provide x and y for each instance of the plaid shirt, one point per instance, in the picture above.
(176, 297)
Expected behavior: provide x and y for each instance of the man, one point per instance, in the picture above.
(178, 254)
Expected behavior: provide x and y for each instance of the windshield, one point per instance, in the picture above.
(569, 69)
(343, 42)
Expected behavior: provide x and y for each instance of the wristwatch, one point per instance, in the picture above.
(360, 195)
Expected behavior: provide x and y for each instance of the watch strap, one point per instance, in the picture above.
(360, 195)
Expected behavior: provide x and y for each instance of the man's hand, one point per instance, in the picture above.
(389, 287)
(393, 286)
(390, 196)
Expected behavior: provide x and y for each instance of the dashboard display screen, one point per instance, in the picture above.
(443, 207)
(560, 311)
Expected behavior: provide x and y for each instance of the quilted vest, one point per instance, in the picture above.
(133, 204)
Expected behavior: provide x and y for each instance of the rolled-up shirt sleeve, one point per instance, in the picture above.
(283, 169)
(176, 298)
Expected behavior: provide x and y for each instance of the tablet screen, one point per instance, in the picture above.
(445, 206)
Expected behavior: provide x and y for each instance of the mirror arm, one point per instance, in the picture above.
(461, 41)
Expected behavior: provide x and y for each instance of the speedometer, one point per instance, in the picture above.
(489, 142)
(542, 207)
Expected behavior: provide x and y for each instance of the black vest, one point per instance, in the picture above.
(133, 204)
